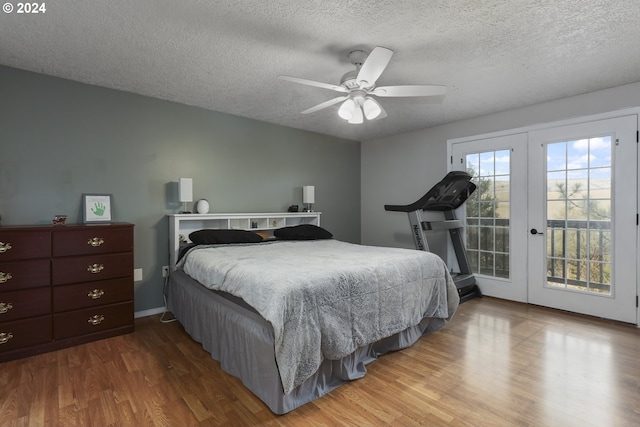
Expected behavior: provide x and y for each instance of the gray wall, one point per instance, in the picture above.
(60, 139)
(401, 168)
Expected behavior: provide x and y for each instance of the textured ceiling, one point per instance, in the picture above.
(226, 55)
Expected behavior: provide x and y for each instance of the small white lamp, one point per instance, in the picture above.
(185, 190)
(308, 197)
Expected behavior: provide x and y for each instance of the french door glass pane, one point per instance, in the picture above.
(578, 210)
(488, 212)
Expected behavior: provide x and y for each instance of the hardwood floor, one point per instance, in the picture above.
(497, 363)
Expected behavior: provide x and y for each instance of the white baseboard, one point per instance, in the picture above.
(150, 312)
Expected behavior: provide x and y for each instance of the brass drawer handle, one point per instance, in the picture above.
(5, 337)
(95, 268)
(96, 319)
(95, 242)
(96, 293)
(4, 277)
(4, 247)
(4, 307)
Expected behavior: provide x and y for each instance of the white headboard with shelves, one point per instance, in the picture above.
(185, 224)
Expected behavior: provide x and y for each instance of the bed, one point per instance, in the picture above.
(294, 318)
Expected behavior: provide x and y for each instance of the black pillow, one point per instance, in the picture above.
(302, 232)
(217, 236)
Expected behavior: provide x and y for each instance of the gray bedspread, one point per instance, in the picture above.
(326, 298)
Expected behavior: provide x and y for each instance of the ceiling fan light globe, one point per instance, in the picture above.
(358, 117)
(346, 109)
(371, 108)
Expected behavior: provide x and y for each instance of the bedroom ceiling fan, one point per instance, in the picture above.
(359, 87)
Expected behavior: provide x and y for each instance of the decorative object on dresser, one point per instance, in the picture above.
(96, 208)
(64, 285)
(59, 220)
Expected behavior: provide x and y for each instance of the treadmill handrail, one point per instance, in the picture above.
(423, 202)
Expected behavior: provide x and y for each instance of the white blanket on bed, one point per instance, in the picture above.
(325, 298)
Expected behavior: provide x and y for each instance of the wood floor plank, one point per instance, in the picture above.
(497, 363)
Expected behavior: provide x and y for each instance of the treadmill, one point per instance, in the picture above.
(446, 196)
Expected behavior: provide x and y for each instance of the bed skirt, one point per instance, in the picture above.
(239, 338)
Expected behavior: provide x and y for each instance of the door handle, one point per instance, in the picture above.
(534, 231)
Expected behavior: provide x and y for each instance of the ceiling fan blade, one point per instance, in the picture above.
(373, 66)
(313, 83)
(325, 104)
(409, 90)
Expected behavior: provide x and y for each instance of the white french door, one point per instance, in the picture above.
(582, 218)
(496, 213)
(553, 219)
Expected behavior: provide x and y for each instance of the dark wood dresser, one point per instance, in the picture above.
(64, 285)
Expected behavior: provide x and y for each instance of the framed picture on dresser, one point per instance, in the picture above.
(96, 208)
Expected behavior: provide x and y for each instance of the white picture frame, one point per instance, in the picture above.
(96, 208)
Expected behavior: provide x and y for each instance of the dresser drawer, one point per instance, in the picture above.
(23, 333)
(24, 244)
(92, 240)
(96, 319)
(92, 294)
(90, 268)
(25, 274)
(20, 304)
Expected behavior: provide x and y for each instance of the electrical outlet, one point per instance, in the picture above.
(165, 270)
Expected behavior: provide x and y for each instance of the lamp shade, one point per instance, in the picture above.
(357, 117)
(185, 189)
(308, 194)
(346, 109)
(371, 108)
